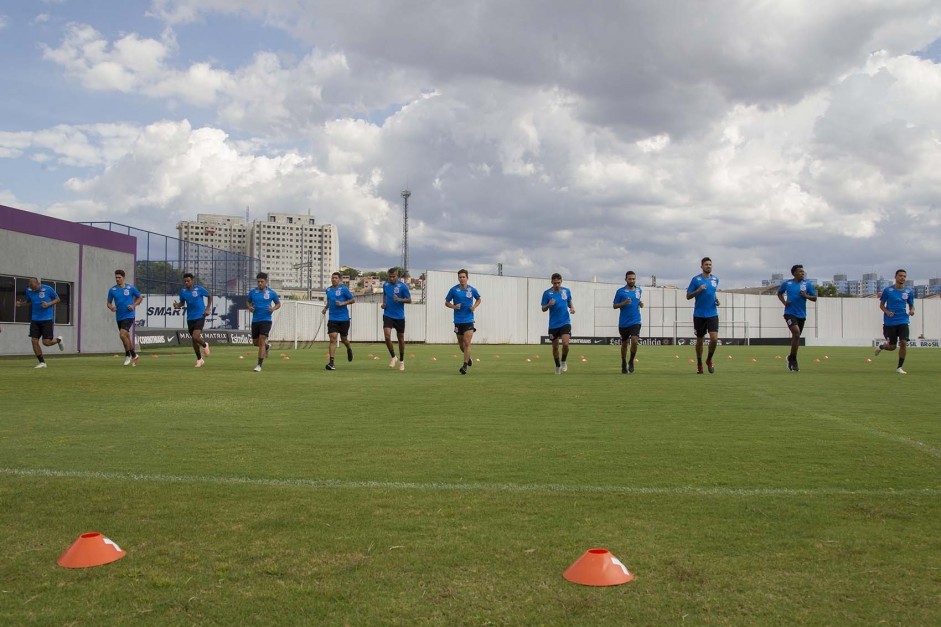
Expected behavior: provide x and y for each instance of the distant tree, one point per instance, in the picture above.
(828, 290)
(157, 277)
(349, 272)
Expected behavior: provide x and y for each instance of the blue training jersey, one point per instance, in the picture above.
(465, 298)
(897, 301)
(796, 303)
(705, 300)
(123, 297)
(262, 300)
(559, 311)
(45, 294)
(193, 299)
(629, 314)
(340, 313)
(395, 310)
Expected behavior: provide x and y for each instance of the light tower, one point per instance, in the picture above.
(405, 195)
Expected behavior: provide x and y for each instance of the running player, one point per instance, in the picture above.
(463, 299)
(898, 306)
(702, 287)
(262, 302)
(339, 298)
(191, 295)
(557, 300)
(794, 294)
(42, 300)
(123, 299)
(628, 300)
(395, 295)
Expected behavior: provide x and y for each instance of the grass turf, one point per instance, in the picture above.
(369, 495)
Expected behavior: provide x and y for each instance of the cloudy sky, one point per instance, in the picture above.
(581, 137)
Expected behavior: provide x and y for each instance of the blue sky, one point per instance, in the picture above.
(549, 136)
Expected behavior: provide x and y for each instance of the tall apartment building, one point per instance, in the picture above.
(294, 250)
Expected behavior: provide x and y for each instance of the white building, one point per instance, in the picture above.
(295, 251)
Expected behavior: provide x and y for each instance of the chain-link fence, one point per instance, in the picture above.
(158, 274)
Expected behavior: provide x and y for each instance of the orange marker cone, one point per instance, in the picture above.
(597, 567)
(91, 549)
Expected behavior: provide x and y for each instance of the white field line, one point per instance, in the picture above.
(546, 488)
(891, 437)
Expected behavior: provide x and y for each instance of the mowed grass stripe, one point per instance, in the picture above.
(548, 488)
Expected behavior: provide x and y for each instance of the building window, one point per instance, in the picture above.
(13, 288)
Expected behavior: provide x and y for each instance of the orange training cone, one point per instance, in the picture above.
(597, 567)
(91, 549)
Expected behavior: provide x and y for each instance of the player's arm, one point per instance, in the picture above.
(781, 296)
(407, 299)
(450, 302)
(110, 304)
(692, 293)
(885, 309)
(208, 311)
(52, 303)
(571, 304)
(179, 303)
(250, 304)
(547, 302)
(476, 304)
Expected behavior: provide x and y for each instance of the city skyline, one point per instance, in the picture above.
(546, 136)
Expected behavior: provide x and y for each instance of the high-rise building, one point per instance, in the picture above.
(295, 251)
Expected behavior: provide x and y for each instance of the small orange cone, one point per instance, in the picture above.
(91, 549)
(597, 567)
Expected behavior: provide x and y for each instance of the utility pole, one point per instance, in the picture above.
(405, 195)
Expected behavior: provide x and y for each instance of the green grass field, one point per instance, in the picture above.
(372, 496)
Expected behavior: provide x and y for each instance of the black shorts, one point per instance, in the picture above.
(558, 332)
(342, 327)
(628, 332)
(261, 328)
(705, 325)
(790, 321)
(394, 323)
(463, 327)
(126, 324)
(895, 333)
(197, 324)
(41, 329)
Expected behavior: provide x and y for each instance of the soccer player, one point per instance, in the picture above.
(123, 299)
(557, 300)
(42, 299)
(262, 301)
(898, 306)
(395, 295)
(702, 287)
(794, 294)
(463, 299)
(339, 298)
(628, 300)
(192, 296)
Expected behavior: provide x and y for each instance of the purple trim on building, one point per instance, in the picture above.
(44, 226)
(81, 281)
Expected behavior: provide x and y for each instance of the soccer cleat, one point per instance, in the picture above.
(900, 371)
(349, 353)
(393, 361)
(710, 367)
(41, 364)
(558, 369)
(878, 350)
(134, 360)
(463, 369)
(469, 363)
(623, 368)
(199, 363)
(565, 367)
(267, 350)
(330, 367)
(127, 360)
(402, 365)
(257, 368)
(794, 367)
(59, 343)
(206, 349)
(698, 368)
(630, 368)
